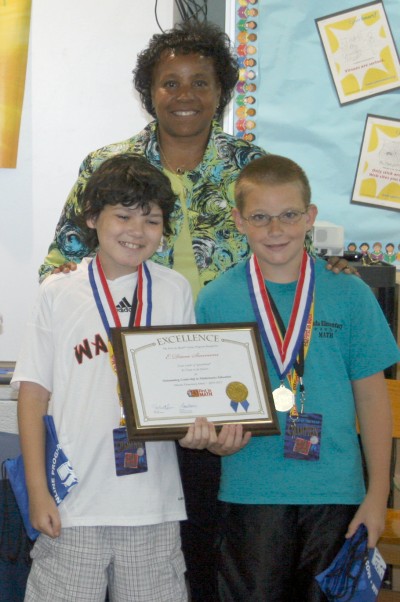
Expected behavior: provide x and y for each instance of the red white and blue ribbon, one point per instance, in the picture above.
(282, 350)
(105, 303)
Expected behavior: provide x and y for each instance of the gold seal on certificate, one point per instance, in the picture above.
(283, 399)
(237, 391)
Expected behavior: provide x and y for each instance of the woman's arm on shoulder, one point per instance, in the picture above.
(340, 264)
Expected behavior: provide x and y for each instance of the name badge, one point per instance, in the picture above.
(130, 456)
(303, 437)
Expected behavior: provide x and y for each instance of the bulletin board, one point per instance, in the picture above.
(287, 102)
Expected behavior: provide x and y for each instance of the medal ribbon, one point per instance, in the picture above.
(141, 311)
(283, 348)
(297, 373)
(142, 306)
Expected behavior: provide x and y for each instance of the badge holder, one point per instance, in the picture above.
(130, 456)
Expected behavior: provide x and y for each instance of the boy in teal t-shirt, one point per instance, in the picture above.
(289, 501)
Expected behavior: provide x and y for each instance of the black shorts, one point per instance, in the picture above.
(272, 553)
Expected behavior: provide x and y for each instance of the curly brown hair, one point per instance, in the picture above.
(189, 37)
(130, 180)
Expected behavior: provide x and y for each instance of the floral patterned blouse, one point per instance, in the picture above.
(207, 192)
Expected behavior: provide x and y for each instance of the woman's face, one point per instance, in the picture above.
(185, 93)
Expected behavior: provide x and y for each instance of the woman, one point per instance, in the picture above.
(185, 78)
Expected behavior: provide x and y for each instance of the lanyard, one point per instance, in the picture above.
(296, 375)
(298, 364)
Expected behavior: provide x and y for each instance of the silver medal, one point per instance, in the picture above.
(283, 399)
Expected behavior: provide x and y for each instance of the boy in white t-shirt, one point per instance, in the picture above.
(118, 527)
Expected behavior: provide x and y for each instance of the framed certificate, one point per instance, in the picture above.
(169, 375)
(360, 51)
(377, 180)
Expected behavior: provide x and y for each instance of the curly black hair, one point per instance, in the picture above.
(189, 37)
(130, 180)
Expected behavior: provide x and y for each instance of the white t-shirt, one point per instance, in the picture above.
(65, 351)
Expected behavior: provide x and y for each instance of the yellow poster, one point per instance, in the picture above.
(360, 51)
(14, 38)
(377, 179)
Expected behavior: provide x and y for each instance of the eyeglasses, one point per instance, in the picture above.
(258, 220)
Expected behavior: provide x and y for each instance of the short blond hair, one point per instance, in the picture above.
(273, 170)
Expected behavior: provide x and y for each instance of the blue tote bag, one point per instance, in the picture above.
(356, 573)
(60, 476)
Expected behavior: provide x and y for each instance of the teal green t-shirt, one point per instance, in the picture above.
(350, 340)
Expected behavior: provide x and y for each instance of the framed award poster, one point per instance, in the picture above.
(360, 52)
(169, 375)
(377, 180)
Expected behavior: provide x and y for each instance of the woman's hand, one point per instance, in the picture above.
(339, 264)
(65, 268)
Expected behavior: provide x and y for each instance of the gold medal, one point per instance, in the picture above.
(283, 399)
(237, 391)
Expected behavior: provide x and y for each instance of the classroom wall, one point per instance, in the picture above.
(78, 97)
